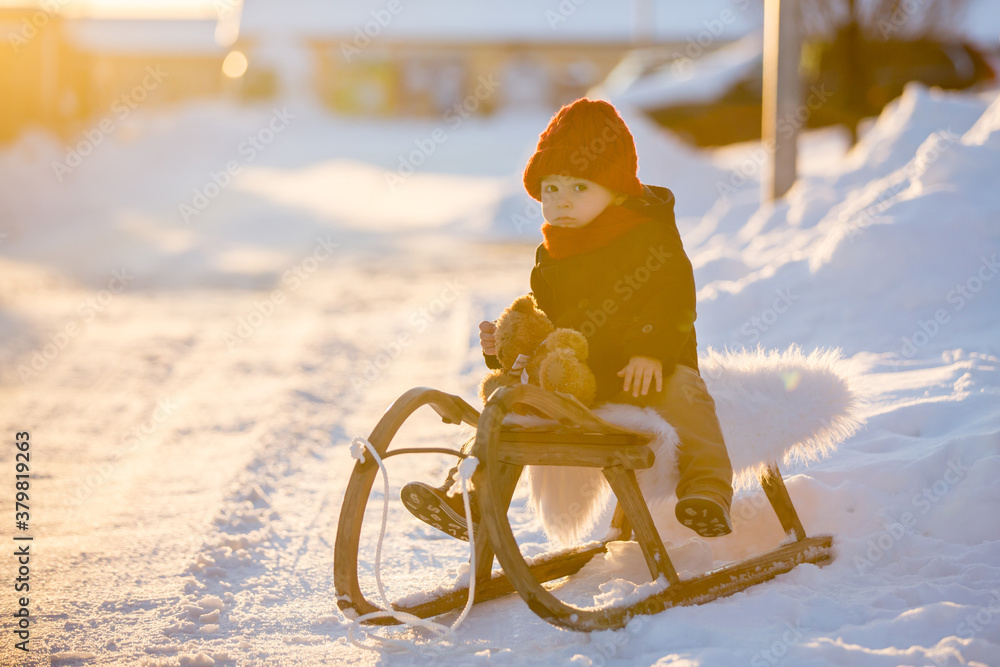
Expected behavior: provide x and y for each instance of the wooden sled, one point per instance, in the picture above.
(582, 439)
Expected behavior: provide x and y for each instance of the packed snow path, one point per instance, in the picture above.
(178, 461)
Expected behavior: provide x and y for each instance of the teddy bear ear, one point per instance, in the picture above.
(581, 345)
(493, 381)
(568, 338)
(562, 371)
(524, 304)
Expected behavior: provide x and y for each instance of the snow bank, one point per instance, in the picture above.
(913, 249)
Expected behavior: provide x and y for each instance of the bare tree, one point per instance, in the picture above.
(882, 19)
(868, 44)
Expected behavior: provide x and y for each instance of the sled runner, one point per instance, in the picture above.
(580, 439)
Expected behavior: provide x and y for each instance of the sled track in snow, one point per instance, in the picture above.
(267, 546)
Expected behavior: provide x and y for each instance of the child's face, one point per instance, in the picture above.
(568, 201)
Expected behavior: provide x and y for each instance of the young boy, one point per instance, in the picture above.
(612, 266)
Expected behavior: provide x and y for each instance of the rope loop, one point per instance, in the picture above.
(463, 485)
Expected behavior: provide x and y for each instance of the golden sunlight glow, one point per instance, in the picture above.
(131, 8)
(235, 64)
(154, 8)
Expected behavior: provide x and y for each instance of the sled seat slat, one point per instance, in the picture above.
(576, 437)
(596, 445)
(563, 412)
(630, 457)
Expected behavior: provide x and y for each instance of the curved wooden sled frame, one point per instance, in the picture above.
(582, 439)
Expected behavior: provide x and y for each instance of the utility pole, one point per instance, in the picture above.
(643, 22)
(782, 48)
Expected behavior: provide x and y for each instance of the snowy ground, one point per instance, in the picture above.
(192, 378)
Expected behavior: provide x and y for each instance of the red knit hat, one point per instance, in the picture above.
(586, 139)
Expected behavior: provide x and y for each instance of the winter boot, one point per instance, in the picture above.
(433, 506)
(704, 515)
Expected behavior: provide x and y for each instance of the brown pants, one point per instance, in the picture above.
(702, 460)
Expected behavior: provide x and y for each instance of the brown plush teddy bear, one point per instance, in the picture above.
(521, 328)
(529, 346)
(560, 364)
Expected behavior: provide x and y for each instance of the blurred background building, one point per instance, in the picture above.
(392, 57)
(62, 64)
(61, 67)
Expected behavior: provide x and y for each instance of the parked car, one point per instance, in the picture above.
(715, 99)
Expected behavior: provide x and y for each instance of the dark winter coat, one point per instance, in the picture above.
(633, 297)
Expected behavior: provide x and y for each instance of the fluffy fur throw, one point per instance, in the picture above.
(773, 406)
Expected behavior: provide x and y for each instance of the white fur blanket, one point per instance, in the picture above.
(772, 406)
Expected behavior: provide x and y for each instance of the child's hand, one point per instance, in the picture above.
(640, 373)
(486, 340)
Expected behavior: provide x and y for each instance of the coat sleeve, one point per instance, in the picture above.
(540, 289)
(667, 310)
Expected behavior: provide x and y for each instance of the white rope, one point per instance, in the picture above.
(465, 470)
(464, 484)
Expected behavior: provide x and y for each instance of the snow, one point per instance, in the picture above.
(192, 388)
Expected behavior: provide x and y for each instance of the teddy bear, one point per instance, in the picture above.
(530, 348)
(560, 364)
(521, 328)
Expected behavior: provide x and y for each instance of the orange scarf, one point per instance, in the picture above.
(562, 242)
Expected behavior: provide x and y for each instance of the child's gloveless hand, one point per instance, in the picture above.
(640, 373)
(486, 340)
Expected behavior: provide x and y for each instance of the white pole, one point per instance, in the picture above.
(781, 96)
(643, 22)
